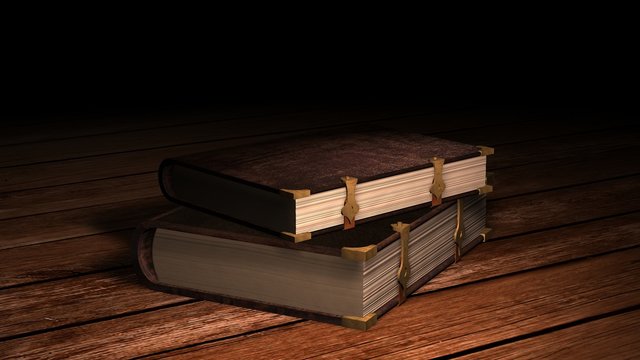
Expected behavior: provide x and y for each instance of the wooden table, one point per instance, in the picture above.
(560, 276)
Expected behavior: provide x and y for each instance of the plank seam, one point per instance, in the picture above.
(548, 330)
(96, 320)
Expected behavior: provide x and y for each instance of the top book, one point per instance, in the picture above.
(319, 182)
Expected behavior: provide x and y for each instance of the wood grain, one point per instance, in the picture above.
(544, 248)
(106, 166)
(566, 172)
(554, 148)
(91, 145)
(136, 162)
(141, 161)
(531, 128)
(567, 251)
(141, 334)
(508, 216)
(67, 297)
(542, 210)
(79, 299)
(615, 337)
(79, 222)
(575, 169)
(85, 194)
(457, 319)
(53, 260)
(510, 182)
(70, 126)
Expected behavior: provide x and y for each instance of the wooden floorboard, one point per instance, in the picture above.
(558, 277)
(140, 161)
(141, 334)
(97, 192)
(582, 288)
(92, 145)
(71, 126)
(614, 337)
(75, 300)
(539, 249)
(79, 222)
(59, 299)
(463, 317)
(51, 260)
(84, 194)
(101, 194)
(554, 208)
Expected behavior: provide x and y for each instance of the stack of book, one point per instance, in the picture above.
(338, 228)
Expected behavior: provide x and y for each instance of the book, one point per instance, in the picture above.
(349, 278)
(303, 186)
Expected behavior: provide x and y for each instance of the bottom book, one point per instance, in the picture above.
(349, 278)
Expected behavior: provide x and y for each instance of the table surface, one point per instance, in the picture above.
(559, 276)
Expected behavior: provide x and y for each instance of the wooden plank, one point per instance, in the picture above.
(509, 216)
(70, 126)
(79, 222)
(565, 172)
(75, 300)
(144, 333)
(51, 260)
(488, 260)
(128, 163)
(535, 127)
(508, 182)
(32, 201)
(426, 326)
(615, 337)
(91, 145)
(482, 245)
(544, 248)
(518, 125)
(60, 300)
(545, 150)
(106, 166)
(543, 210)
(72, 196)
(122, 164)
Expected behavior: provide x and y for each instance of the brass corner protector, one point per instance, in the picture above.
(296, 237)
(296, 194)
(485, 189)
(360, 322)
(485, 150)
(438, 185)
(359, 254)
(485, 234)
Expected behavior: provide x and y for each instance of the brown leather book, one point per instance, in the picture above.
(350, 278)
(303, 186)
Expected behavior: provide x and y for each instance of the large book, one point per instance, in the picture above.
(349, 278)
(303, 186)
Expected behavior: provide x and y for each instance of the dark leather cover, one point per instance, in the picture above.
(317, 161)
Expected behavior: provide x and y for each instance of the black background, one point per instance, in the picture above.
(51, 76)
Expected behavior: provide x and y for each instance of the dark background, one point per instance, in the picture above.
(44, 80)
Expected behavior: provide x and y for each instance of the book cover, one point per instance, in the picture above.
(350, 278)
(304, 186)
